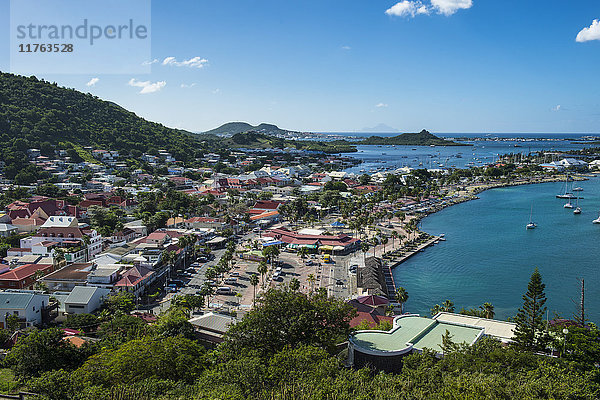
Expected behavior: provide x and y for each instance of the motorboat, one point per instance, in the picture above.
(568, 205)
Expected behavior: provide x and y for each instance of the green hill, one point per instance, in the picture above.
(232, 128)
(36, 112)
(423, 138)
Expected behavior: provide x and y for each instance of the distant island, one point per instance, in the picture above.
(232, 128)
(257, 140)
(423, 138)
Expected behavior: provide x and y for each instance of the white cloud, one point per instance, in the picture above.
(449, 7)
(407, 8)
(150, 62)
(216, 91)
(346, 47)
(92, 82)
(195, 62)
(592, 32)
(147, 86)
(191, 85)
(381, 105)
(556, 108)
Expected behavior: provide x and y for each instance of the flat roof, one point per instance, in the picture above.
(419, 331)
(499, 329)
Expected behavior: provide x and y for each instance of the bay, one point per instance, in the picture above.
(489, 255)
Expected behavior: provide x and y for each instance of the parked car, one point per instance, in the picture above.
(230, 280)
(224, 290)
(234, 273)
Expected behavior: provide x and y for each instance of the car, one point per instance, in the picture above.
(210, 282)
(234, 273)
(309, 262)
(230, 280)
(195, 265)
(256, 230)
(339, 282)
(278, 278)
(224, 290)
(172, 290)
(176, 282)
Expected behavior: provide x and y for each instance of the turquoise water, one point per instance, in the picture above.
(376, 158)
(489, 255)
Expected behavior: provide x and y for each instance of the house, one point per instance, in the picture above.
(85, 299)
(158, 238)
(24, 276)
(29, 307)
(105, 276)
(65, 279)
(7, 230)
(204, 222)
(211, 327)
(135, 280)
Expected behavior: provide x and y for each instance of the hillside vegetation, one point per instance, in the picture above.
(423, 138)
(35, 112)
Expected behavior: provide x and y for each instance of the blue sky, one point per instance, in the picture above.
(442, 65)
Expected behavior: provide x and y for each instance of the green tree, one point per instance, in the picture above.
(487, 310)
(401, 296)
(284, 317)
(294, 284)
(173, 358)
(254, 283)
(529, 319)
(262, 270)
(43, 351)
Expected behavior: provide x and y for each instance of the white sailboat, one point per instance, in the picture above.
(568, 204)
(577, 209)
(531, 224)
(568, 194)
(597, 220)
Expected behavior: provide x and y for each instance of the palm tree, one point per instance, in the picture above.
(488, 310)
(311, 279)
(364, 247)
(262, 270)
(401, 297)
(254, 283)
(394, 237)
(448, 306)
(384, 241)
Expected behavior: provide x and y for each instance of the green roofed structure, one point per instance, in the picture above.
(385, 350)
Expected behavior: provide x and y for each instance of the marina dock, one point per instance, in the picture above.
(399, 260)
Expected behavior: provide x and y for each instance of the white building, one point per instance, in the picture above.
(28, 306)
(85, 299)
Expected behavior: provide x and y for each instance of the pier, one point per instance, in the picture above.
(399, 260)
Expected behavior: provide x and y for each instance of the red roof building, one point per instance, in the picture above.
(23, 277)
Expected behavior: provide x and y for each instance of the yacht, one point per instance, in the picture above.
(577, 209)
(568, 205)
(596, 221)
(578, 189)
(531, 224)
